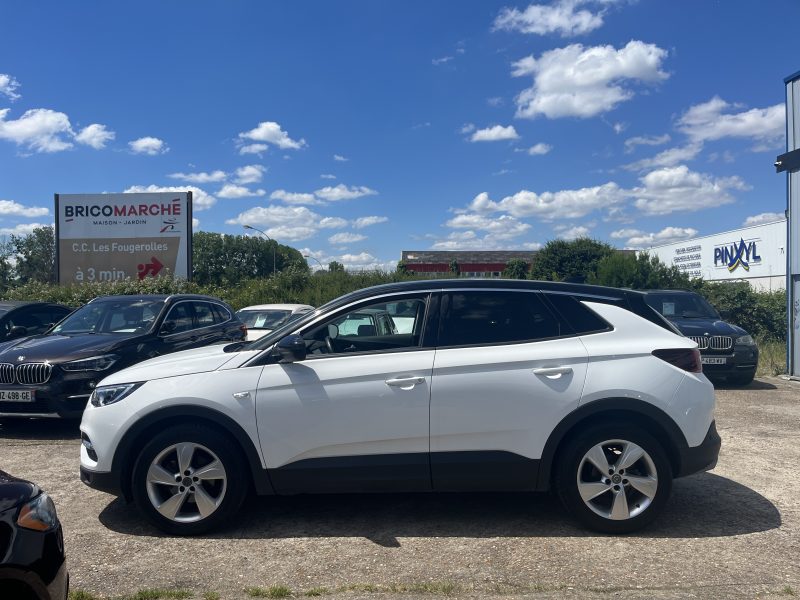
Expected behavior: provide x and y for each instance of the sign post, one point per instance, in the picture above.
(108, 237)
(790, 163)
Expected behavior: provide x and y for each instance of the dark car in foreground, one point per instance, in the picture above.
(53, 374)
(20, 319)
(726, 350)
(32, 562)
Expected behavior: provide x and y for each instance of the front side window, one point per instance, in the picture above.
(473, 318)
(369, 328)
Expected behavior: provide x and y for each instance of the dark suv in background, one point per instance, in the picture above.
(53, 374)
(21, 319)
(727, 351)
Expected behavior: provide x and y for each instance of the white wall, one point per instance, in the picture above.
(755, 254)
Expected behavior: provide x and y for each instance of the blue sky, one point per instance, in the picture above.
(354, 130)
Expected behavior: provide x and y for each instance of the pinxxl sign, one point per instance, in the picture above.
(105, 237)
(737, 254)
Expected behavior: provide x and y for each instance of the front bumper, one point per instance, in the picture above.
(743, 359)
(102, 481)
(64, 395)
(37, 560)
(694, 459)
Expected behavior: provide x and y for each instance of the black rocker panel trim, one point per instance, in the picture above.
(352, 474)
(483, 471)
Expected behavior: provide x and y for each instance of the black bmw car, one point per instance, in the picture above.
(726, 350)
(53, 374)
(32, 563)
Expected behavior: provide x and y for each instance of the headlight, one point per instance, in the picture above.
(109, 394)
(93, 363)
(38, 514)
(745, 340)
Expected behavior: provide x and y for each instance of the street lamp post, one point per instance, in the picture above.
(274, 243)
(307, 256)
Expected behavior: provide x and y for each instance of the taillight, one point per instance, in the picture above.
(687, 359)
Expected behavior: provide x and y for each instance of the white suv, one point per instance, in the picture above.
(496, 385)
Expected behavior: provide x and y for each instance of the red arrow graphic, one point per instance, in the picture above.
(151, 268)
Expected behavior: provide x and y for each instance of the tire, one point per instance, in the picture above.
(619, 505)
(741, 378)
(213, 479)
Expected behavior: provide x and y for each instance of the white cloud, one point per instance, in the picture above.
(467, 128)
(362, 222)
(345, 237)
(573, 233)
(495, 134)
(503, 227)
(667, 158)
(441, 61)
(23, 228)
(200, 199)
(340, 158)
(583, 82)
(202, 177)
(619, 127)
(564, 204)
(560, 17)
(495, 101)
(39, 130)
(287, 223)
(230, 190)
(148, 145)
(677, 189)
(250, 174)
(95, 135)
(713, 120)
(9, 86)
(539, 149)
(9, 208)
(294, 197)
(767, 217)
(269, 132)
(195, 223)
(641, 239)
(327, 176)
(253, 149)
(645, 140)
(343, 192)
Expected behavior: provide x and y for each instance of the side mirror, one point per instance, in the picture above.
(289, 349)
(17, 331)
(168, 327)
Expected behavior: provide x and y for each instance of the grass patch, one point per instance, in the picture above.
(316, 591)
(211, 596)
(771, 358)
(788, 591)
(82, 595)
(160, 594)
(440, 588)
(275, 591)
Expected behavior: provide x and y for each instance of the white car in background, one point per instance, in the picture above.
(498, 385)
(260, 319)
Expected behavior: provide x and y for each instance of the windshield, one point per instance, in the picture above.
(263, 319)
(686, 306)
(122, 316)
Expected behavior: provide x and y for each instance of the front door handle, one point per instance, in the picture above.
(405, 382)
(553, 372)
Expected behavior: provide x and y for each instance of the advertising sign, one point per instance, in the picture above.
(105, 237)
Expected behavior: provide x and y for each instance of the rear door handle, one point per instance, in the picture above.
(405, 381)
(553, 372)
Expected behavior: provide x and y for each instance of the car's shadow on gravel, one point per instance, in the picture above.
(39, 429)
(703, 505)
(756, 384)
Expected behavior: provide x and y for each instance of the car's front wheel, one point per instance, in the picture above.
(189, 479)
(614, 478)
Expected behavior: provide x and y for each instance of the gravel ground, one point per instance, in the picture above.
(734, 532)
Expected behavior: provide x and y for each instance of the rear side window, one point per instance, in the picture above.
(221, 313)
(495, 317)
(582, 319)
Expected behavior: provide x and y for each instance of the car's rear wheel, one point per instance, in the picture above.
(189, 479)
(614, 478)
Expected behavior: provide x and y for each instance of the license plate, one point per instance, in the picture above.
(16, 396)
(708, 360)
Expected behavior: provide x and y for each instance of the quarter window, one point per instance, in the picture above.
(582, 319)
(495, 317)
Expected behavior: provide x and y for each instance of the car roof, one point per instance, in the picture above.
(292, 307)
(154, 297)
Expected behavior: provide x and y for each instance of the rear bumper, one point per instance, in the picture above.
(703, 457)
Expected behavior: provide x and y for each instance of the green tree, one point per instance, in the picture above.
(228, 259)
(455, 268)
(516, 268)
(639, 271)
(574, 260)
(6, 269)
(36, 255)
(335, 267)
(402, 268)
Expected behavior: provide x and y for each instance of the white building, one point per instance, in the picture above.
(754, 254)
